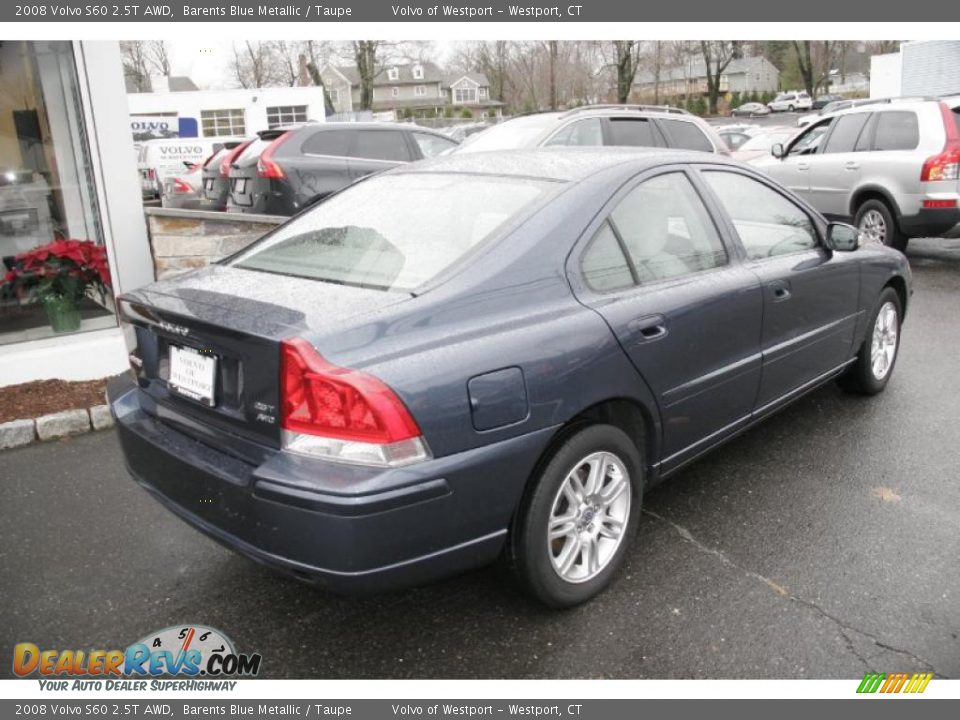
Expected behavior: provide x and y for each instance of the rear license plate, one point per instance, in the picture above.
(193, 374)
(208, 184)
(240, 185)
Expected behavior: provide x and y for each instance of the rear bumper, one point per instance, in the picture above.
(400, 527)
(930, 222)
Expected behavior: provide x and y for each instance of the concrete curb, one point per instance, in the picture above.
(18, 433)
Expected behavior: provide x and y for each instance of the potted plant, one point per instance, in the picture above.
(59, 276)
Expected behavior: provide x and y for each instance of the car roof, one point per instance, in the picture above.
(871, 105)
(367, 126)
(564, 164)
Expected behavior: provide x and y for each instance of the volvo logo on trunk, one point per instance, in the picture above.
(173, 328)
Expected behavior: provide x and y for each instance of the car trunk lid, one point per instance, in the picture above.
(230, 322)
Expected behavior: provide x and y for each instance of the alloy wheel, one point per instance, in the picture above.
(874, 227)
(589, 516)
(883, 344)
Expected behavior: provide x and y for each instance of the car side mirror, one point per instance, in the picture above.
(778, 150)
(842, 237)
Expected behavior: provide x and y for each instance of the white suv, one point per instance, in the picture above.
(791, 102)
(890, 167)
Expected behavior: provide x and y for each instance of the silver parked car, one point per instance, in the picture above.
(891, 167)
(599, 125)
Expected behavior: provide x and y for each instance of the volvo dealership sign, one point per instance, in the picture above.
(152, 127)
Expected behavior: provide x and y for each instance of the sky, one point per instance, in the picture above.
(208, 62)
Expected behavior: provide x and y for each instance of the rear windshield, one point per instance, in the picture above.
(252, 151)
(506, 136)
(394, 232)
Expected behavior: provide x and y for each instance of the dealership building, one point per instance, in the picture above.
(67, 171)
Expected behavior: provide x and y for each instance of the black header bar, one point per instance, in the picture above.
(484, 11)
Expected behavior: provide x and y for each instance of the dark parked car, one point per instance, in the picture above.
(492, 352)
(216, 175)
(284, 171)
(823, 100)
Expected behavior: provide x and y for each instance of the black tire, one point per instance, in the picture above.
(529, 549)
(892, 235)
(860, 377)
(790, 108)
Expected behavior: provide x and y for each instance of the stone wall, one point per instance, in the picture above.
(182, 240)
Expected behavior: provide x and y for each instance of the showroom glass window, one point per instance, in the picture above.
(46, 187)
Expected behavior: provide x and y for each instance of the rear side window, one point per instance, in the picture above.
(583, 133)
(845, 133)
(687, 135)
(896, 130)
(432, 145)
(604, 266)
(666, 229)
(328, 142)
(381, 145)
(633, 133)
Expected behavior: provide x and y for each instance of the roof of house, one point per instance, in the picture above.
(696, 68)
(479, 78)
(431, 73)
(171, 83)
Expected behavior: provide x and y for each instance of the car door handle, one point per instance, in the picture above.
(648, 328)
(803, 166)
(851, 165)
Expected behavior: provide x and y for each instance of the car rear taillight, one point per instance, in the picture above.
(946, 165)
(179, 186)
(230, 157)
(151, 174)
(342, 414)
(266, 166)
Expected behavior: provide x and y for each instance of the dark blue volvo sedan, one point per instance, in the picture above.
(492, 354)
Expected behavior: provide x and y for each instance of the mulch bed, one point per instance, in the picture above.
(41, 397)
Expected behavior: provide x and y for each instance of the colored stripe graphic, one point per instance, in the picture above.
(894, 683)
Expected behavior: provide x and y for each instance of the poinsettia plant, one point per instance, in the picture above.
(64, 269)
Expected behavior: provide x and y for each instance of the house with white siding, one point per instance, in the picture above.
(417, 88)
(742, 75)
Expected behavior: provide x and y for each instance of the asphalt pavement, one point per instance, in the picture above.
(822, 544)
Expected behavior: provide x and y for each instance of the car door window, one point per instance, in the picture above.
(584, 133)
(631, 132)
(866, 135)
(809, 141)
(896, 130)
(432, 145)
(666, 229)
(381, 145)
(846, 132)
(328, 142)
(687, 135)
(767, 222)
(605, 267)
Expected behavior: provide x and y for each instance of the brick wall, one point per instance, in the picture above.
(182, 240)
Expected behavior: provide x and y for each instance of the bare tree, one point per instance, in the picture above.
(158, 57)
(553, 52)
(657, 64)
(814, 59)
(717, 55)
(626, 62)
(136, 65)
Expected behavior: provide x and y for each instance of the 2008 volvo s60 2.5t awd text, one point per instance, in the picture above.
(491, 354)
